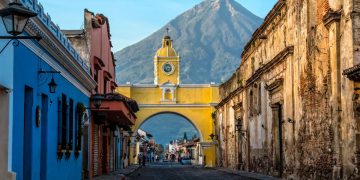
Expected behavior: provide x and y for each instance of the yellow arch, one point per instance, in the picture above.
(194, 102)
(170, 112)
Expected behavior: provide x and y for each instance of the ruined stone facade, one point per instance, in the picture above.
(290, 109)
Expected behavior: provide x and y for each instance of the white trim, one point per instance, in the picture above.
(145, 85)
(51, 62)
(214, 104)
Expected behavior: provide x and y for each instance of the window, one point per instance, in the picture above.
(96, 78)
(105, 85)
(259, 98)
(251, 103)
(59, 138)
(71, 123)
(78, 118)
(64, 109)
(168, 94)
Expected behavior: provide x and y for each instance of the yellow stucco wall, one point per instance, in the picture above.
(195, 103)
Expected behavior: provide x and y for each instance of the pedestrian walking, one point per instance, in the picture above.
(139, 159)
(143, 160)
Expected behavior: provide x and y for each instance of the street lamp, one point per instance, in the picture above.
(15, 18)
(97, 98)
(52, 86)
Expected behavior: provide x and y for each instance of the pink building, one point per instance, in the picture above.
(105, 146)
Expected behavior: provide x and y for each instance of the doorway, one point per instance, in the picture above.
(104, 151)
(278, 137)
(27, 150)
(43, 124)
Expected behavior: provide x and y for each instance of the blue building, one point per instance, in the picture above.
(41, 132)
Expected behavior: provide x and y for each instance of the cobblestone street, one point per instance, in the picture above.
(176, 171)
(158, 172)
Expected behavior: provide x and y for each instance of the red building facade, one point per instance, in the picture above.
(111, 114)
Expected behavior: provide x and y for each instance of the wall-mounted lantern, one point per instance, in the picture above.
(97, 100)
(15, 17)
(52, 86)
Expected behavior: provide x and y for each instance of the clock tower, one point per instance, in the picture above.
(167, 63)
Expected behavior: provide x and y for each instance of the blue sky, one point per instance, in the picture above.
(132, 20)
(167, 127)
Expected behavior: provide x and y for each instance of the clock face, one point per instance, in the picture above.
(168, 68)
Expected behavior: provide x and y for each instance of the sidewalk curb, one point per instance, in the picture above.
(129, 173)
(246, 174)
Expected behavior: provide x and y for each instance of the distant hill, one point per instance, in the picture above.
(209, 38)
(168, 127)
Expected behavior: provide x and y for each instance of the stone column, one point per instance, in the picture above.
(332, 22)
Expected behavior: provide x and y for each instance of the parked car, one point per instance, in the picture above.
(185, 161)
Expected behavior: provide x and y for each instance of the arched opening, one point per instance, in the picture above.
(172, 137)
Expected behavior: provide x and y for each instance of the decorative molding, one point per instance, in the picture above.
(275, 85)
(279, 58)
(55, 30)
(58, 46)
(330, 17)
(267, 24)
(275, 92)
(353, 73)
(238, 106)
(58, 52)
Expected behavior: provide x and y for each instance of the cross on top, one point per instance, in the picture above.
(167, 31)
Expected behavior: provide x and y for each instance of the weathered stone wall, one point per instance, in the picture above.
(296, 107)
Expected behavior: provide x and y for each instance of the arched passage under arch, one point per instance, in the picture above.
(198, 116)
(183, 117)
(195, 102)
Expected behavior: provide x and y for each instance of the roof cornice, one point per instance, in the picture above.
(62, 55)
